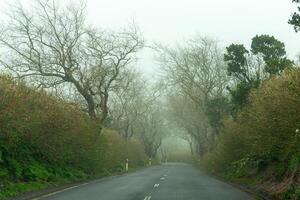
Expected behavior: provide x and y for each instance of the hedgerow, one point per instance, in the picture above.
(44, 139)
(264, 139)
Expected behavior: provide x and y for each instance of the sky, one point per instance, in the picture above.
(173, 21)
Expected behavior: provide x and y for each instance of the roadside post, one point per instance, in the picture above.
(126, 164)
(297, 134)
(150, 162)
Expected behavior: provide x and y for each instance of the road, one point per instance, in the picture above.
(173, 181)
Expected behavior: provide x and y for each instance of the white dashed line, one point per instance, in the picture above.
(156, 185)
(162, 178)
(147, 198)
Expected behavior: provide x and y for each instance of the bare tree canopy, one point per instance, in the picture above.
(128, 104)
(195, 74)
(54, 45)
(197, 68)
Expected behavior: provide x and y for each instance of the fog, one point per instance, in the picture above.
(177, 29)
(96, 88)
(171, 21)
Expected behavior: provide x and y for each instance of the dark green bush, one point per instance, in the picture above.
(4, 173)
(36, 172)
(15, 168)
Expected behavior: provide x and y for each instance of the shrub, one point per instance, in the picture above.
(264, 131)
(43, 138)
(121, 149)
(36, 172)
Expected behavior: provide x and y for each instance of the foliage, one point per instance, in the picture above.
(249, 68)
(268, 46)
(295, 20)
(12, 190)
(264, 137)
(217, 109)
(44, 139)
(120, 150)
(36, 172)
(273, 53)
(237, 60)
(239, 95)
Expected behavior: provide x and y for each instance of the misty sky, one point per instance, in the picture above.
(171, 21)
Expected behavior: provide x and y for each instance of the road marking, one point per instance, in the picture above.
(165, 175)
(156, 185)
(147, 198)
(53, 193)
(162, 178)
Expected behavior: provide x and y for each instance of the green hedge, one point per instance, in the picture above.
(262, 141)
(44, 139)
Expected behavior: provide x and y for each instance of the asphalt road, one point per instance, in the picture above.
(174, 181)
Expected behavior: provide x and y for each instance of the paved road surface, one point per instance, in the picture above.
(173, 181)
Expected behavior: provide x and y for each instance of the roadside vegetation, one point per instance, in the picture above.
(260, 146)
(74, 107)
(46, 141)
(238, 108)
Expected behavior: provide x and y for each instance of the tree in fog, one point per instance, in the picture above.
(295, 19)
(273, 53)
(136, 112)
(127, 104)
(197, 68)
(187, 114)
(197, 72)
(152, 131)
(52, 45)
(266, 57)
(245, 69)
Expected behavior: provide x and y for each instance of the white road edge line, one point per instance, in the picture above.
(53, 193)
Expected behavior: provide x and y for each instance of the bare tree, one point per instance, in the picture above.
(153, 129)
(127, 104)
(197, 73)
(185, 114)
(53, 45)
(181, 132)
(138, 113)
(197, 69)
